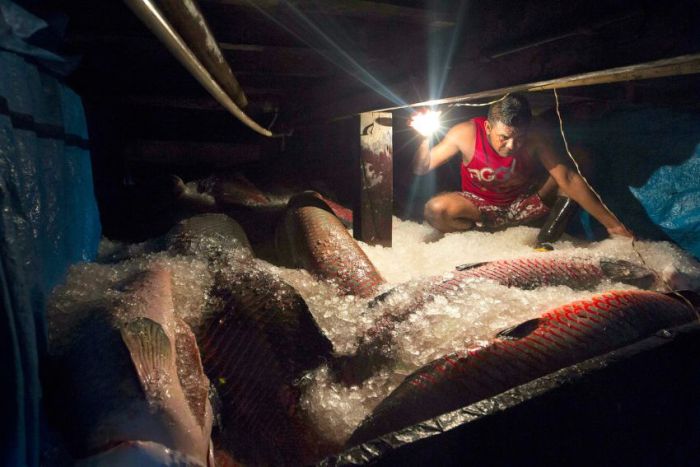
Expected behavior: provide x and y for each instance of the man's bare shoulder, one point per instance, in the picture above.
(465, 127)
(462, 134)
(539, 138)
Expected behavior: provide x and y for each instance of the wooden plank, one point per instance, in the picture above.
(242, 59)
(187, 153)
(154, 20)
(355, 104)
(682, 65)
(188, 21)
(373, 207)
(351, 8)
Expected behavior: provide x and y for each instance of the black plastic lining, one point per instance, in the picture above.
(637, 405)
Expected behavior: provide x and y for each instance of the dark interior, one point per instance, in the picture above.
(309, 69)
(305, 65)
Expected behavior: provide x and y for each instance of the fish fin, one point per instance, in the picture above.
(627, 272)
(381, 298)
(519, 331)
(308, 198)
(465, 266)
(151, 352)
(196, 384)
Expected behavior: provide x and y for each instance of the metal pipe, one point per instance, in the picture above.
(188, 21)
(154, 20)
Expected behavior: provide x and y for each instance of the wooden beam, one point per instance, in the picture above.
(243, 59)
(186, 153)
(682, 65)
(189, 22)
(373, 207)
(350, 8)
(204, 103)
(354, 104)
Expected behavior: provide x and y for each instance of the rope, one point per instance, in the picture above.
(605, 206)
(483, 104)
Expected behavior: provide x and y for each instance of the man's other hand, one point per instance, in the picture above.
(620, 230)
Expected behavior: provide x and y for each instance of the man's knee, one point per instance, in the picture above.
(435, 209)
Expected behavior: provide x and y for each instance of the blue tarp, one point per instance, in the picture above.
(48, 220)
(671, 198)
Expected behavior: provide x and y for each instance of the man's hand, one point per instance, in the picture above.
(426, 123)
(620, 230)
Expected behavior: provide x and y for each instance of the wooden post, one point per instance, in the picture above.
(373, 206)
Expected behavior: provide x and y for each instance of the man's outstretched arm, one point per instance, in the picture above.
(573, 185)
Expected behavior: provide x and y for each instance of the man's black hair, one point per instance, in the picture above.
(513, 111)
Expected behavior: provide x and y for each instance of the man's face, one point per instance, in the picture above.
(505, 140)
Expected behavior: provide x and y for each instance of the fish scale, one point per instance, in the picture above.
(563, 336)
(526, 273)
(256, 423)
(255, 345)
(322, 245)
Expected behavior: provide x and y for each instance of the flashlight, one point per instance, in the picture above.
(426, 123)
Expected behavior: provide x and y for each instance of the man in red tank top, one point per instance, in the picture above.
(500, 155)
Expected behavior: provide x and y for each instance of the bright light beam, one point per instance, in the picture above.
(439, 60)
(346, 62)
(426, 123)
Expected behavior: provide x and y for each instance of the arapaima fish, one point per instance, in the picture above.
(312, 237)
(558, 338)
(375, 345)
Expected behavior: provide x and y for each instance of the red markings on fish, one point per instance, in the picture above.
(314, 239)
(526, 273)
(254, 349)
(558, 338)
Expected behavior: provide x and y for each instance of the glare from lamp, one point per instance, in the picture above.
(426, 123)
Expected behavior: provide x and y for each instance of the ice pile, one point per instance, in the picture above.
(466, 319)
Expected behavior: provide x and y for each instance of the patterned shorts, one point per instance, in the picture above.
(525, 208)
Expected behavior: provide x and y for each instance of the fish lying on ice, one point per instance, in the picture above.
(311, 237)
(219, 193)
(558, 338)
(375, 345)
(131, 371)
(183, 237)
(254, 348)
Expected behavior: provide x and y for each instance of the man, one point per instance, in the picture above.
(500, 155)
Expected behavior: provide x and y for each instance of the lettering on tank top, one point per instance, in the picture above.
(487, 174)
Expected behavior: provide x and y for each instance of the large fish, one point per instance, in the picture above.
(188, 234)
(254, 349)
(313, 238)
(375, 345)
(221, 192)
(259, 211)
(558, 338)
(130, 370)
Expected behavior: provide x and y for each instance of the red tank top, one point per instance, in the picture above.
(499, 180)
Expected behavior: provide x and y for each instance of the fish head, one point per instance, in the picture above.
(628, 273)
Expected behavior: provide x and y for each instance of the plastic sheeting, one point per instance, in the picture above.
(48, 220)
(671, 197)
(616, 409)
(18, 30)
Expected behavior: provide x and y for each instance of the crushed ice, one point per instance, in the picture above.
(466, 318)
